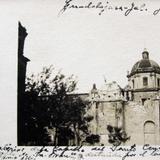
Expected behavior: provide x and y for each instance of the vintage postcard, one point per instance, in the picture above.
(80, 79)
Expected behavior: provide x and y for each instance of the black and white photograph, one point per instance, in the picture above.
(80, 73)
(92, 81)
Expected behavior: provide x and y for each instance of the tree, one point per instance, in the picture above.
(116, 135)
(92, 139)
(50, 104)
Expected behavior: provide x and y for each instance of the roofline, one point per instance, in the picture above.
(72, 94)
(146, 90)
(79, 94)
(147, 71)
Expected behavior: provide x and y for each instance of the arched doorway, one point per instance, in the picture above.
(149, 132)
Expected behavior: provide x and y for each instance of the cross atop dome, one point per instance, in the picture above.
(145, 54)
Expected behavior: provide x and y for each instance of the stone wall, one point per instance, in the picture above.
(105, 113)
(135, 118)
(132, 120)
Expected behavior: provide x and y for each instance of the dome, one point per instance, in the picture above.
(145, 65)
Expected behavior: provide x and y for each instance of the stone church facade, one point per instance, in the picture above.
(135, 109)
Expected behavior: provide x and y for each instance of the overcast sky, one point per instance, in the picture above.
(79, 42)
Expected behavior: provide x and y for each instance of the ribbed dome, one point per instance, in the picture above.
(145, 65)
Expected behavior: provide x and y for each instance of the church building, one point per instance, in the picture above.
(134, 109)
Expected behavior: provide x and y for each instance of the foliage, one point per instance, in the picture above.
(116, 135)
(45, 83)
(48, 103)
(93, 139)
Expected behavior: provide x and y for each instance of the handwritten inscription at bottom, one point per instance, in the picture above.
(11, 152)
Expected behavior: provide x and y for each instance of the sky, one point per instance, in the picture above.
(78, 42)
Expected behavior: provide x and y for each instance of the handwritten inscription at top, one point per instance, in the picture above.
(104, 6)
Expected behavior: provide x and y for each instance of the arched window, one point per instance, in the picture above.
(149, 132)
